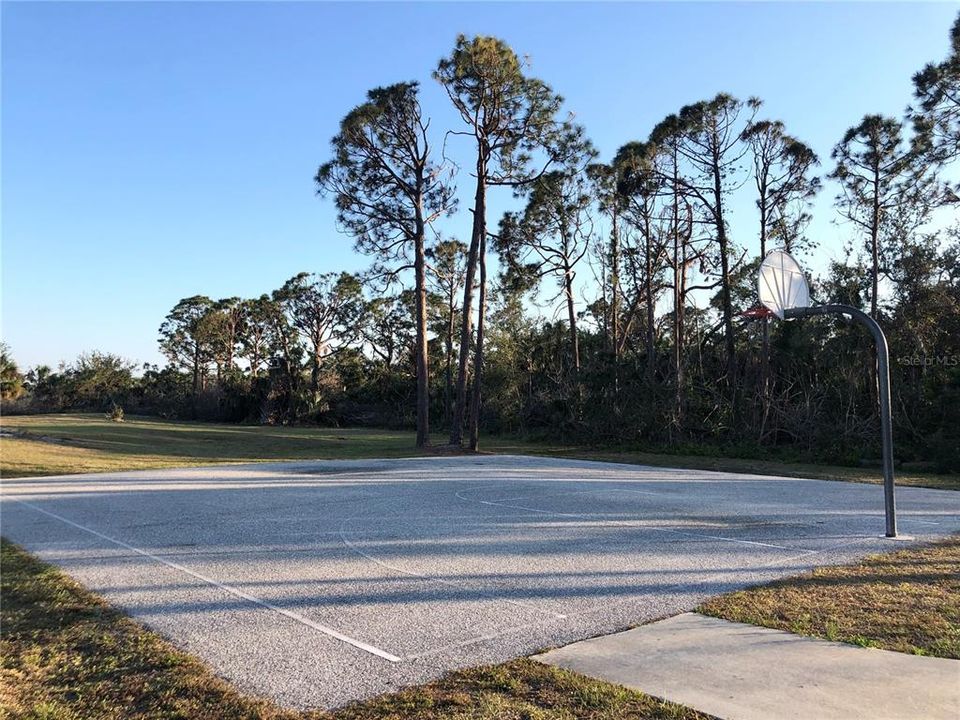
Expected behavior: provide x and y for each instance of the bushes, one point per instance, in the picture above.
(95, 381)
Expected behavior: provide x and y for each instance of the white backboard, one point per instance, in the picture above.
(781, 283)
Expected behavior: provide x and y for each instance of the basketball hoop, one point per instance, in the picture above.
(783, 291)
(782, 284)
(757, 312)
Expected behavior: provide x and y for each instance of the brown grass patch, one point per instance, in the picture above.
(907, 601)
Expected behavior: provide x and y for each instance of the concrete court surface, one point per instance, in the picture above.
(318, 583)
(742, 672)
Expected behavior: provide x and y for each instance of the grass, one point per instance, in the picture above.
(940, 481)
(908, 601)
(67, 655)
(90, 443)
(71, 443)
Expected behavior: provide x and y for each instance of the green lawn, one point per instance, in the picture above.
(76, 443)
(70, 443)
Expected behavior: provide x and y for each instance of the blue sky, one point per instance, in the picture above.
(152, 151)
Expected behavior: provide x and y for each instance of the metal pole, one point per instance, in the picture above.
(883, 382)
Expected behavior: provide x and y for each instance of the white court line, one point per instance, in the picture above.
(606, 606)
(609, 490)
(720, 537)
(359, 644)
(821, 551)
(653, 528)
(478, 639)
(430, 578)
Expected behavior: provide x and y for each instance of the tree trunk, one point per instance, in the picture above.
(648, 291)
(725, 273)
(448, 389)
(231, 346)
(874, 244)
(315, 372)
(475, 396)
(765, 329)
(572, 319)
(615, 302)
(875, 276)
(466, 323)
(423, 370)
(196, 370)
(679, 281)
(571, 310)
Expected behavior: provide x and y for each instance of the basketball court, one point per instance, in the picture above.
(319, 583)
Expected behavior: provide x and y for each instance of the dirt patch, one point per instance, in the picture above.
(24, 435)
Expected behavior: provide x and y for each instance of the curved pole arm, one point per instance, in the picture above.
(883, 383)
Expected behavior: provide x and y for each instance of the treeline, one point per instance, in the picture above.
(94, 381)
(640, 258)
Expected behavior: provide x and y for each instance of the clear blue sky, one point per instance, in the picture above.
(156, 151)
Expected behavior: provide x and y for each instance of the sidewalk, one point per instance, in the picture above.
(743, 672)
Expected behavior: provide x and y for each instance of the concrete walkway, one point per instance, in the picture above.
(743, 672)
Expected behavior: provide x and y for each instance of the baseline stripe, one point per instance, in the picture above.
(359, 644)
